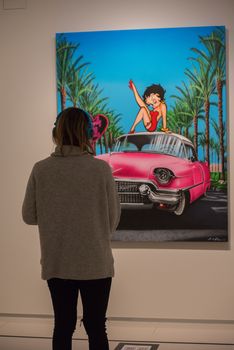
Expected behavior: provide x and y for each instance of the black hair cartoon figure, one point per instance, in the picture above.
(153, 96)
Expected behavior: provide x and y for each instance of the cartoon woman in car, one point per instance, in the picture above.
(154, 97)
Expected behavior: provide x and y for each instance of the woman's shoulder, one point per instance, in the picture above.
(99, 167)
(102, 164)
(42, 162)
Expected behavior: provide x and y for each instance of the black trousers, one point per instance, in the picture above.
(94, 297)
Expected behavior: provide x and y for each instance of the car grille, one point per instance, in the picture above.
(129, 192)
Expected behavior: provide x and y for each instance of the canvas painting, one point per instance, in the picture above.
(158, 102)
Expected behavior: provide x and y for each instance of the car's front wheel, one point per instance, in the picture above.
(182, 204)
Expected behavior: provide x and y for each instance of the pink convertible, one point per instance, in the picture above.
(157, 169)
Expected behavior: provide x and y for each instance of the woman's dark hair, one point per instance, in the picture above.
(154, 89)
(74, 127)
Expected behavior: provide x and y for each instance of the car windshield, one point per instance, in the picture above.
(161, 143)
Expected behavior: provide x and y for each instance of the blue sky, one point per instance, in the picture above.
(148, 56)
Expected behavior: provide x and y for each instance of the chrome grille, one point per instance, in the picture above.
(127, 186)
(129, 192)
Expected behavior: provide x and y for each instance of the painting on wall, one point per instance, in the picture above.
(158, 102)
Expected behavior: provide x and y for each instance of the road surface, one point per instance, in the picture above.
(204, 220)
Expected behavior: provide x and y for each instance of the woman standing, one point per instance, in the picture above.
(71, 196)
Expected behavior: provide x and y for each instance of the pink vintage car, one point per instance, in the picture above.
(157, 169)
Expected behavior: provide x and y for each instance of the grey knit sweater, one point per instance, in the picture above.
(71, 196)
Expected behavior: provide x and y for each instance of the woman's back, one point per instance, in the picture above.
(77, 210)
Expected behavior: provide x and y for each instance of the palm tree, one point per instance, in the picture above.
(203, 80)
(175, 121)
(191, 98)
(75, 82)
(78, 83)
(65, 65)
(217, 151)
(114, 129)
(92, 101)
(215, 46)
(212, 153)
(202, 143)
(186, 120)
(215, 126)
(172, 120)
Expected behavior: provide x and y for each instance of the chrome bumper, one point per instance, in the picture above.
(170, 197)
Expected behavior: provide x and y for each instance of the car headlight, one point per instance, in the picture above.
(163, 175)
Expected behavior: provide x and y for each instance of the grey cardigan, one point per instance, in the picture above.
(71, 196)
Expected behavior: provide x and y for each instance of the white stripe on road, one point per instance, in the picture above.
(219, 210)
(214, 199)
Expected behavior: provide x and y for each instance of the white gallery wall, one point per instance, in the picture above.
(193, 281)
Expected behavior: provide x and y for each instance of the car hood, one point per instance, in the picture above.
(138, 164)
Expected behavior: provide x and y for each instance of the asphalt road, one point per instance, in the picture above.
(205, 220)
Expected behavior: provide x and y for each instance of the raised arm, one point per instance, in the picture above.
(138, 98)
